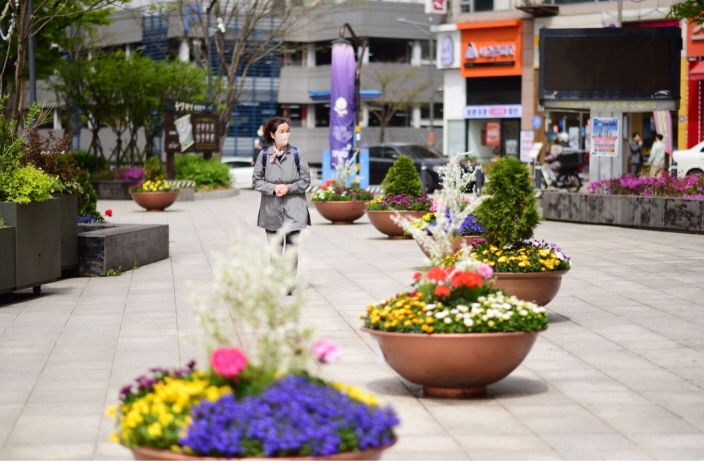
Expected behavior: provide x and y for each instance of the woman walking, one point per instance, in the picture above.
(281, 174)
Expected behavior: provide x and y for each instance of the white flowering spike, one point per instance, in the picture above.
(449, 215)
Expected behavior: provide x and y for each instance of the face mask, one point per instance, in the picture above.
(282, 138)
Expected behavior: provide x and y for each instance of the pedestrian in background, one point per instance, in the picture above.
(657, 157)
(282, 179)
(260, 143)
(636, 145)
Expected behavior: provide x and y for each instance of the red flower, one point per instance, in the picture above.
(442, 291)
(108, 213)
(437, 273)
(469, 279)
(417, 275)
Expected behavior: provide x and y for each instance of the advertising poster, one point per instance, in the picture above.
(663, 126)
(605, 137)
(493, 134)
(185, 131)
(527, 139)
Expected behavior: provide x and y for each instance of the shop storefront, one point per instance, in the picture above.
(695, 85)
(490, 64)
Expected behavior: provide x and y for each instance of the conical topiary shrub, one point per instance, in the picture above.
(402, 178)
(510, 214)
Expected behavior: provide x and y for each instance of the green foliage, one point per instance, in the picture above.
(87, 161)
(402, 178)
(2, 223)
(87, 198)
(510, 214)
(206, 173)
(691, 10)
(27, 185)
(113, 272)
(154, 170)
(47, 153)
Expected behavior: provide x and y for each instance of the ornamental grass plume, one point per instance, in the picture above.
(451, 213)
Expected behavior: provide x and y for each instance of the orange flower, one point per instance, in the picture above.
(469, 279)
(437, 273)
(442, 291)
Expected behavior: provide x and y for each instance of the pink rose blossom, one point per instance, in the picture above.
(228, 361)
(327, 351)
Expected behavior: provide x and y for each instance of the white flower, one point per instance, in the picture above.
(523, 312)
(462, 308)
(429, 307)
(468, 322)
(448, 320)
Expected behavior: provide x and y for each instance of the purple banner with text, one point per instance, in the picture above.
(342, 102)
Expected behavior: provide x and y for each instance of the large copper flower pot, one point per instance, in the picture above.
(454, 365)
(341, 212)
(381, 220)
(538, 287)
(155, 201)
(146, 453)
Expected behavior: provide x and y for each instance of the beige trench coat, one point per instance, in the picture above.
(292, 208)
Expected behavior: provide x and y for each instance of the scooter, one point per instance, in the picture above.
(567, 177)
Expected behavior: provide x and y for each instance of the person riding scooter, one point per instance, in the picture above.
(553, 158)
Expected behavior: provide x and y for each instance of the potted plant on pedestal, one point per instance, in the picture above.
(454, 334)
(403, 197)
(340, 199)
(262, 403)
(155, 193)
(524, 267)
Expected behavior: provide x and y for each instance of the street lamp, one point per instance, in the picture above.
(431, 55)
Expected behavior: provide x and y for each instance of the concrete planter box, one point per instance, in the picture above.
(662, 213)
(37, 241)
(69, 230)
(7, 259)
(102, 247)
(113, 190)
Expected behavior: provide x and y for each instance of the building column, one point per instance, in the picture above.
(415, 116)
(184, 52)
(310, 116)
(310, 55)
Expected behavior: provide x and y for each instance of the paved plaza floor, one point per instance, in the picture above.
(619, 374)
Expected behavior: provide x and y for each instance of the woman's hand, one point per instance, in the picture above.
(280, 190)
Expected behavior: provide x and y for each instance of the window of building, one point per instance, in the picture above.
(294, 54)
(322, 115)
(323, 53)
(390, 50)
(476, 6)
(437, 113)
(493, 90)
(296, 112)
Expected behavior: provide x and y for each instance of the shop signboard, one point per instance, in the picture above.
(491, 49)
(527, 140)
(493, 111)
(605, 137)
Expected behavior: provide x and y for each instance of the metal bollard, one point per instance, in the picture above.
(478, 179)
(538, 177)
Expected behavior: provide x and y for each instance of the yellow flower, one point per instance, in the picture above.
(154, 430)
(114, 437)
(111, 411)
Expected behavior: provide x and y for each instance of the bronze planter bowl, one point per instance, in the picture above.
(146, 453)
(381, 220)
(537, 287)
(155, 201)
(454, 364)
(341, 212)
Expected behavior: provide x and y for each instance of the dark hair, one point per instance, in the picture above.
(635, 133)
(271, 126)
(659, 136)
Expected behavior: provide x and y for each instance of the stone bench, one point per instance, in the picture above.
(102, 247)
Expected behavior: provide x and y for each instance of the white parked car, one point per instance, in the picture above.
(241, 169)
(689, 161)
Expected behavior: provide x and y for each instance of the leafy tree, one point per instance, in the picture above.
(399, 92)
(255, 31)
(510, 214)
(402, 178)
(48, 24)
(691, 10)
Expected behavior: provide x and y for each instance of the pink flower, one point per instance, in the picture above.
(228, 361)
(326, 351)
(485, 271)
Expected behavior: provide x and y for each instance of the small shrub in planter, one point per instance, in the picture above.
(208, 174)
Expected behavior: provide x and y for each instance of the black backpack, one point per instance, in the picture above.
(296, 158)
